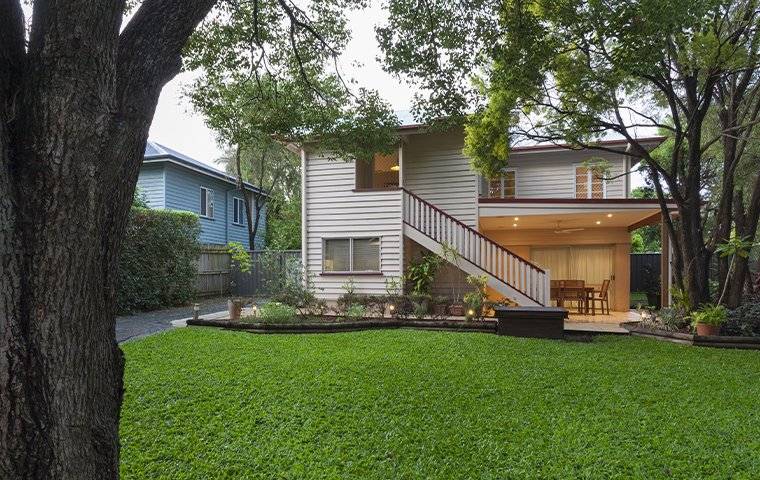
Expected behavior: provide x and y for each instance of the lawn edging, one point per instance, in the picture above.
(482, 326)
(716, 341)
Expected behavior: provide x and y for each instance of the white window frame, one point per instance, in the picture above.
(237, 201)
(501, 182)
(209, 196)
(589, 184)
(351, 255)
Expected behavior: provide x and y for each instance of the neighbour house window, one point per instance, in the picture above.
(351, 255)
(503, 186)
(381, 171)
(589, 183)
(207, 202)
(238, 211)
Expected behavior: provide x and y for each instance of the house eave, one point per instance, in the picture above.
(167, 158)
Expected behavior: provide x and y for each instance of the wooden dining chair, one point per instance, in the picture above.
(601, 296)
(575, 291)
(555, 291)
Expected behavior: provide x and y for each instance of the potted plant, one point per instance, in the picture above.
(708, 319)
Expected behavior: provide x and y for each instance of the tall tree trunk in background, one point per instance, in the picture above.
(746, 219)
(75, 109)
(253, 200)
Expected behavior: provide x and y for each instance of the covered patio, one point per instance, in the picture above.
(584, 243)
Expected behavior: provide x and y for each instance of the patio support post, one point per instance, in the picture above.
(664, 264)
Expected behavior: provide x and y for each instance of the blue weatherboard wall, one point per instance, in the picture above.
(150, 184)
(166, 185)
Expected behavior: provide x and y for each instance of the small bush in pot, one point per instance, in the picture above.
(708, 319)
(440, 308)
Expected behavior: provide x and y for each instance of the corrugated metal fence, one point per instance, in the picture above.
(217, 276)
(643, 265)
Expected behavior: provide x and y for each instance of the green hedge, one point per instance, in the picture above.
(157, 265)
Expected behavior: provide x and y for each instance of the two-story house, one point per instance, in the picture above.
(172, 180)
(547, 217)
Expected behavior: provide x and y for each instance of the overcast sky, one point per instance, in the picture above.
(177, 126)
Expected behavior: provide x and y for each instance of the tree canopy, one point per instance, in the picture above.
(579, 71)
(274, 72)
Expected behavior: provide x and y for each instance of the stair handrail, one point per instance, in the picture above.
(477, 233)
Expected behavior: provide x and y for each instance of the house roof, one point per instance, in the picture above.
(646, 142)
(155, 152)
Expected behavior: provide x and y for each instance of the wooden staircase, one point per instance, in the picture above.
(509, 274)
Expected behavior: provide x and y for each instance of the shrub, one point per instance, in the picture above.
(374, 305)
(348, 298)
(157, 266)
(744, 321)
(475, 301)
(354, 312)
(275, 312)
(421, 272)
(671, 319)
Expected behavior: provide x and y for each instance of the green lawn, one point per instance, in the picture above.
(202, 403)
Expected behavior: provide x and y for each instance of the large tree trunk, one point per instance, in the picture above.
(74, 116)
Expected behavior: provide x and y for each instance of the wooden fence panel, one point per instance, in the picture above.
(213, 276)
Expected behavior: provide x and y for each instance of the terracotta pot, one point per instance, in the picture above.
(707, 330)
(234, 308)
(456, 310)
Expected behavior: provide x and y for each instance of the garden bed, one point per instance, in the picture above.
(717, 341)
(334, 324)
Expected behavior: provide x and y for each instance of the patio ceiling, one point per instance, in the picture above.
(600, 218)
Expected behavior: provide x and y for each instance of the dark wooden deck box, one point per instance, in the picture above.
(534, 322)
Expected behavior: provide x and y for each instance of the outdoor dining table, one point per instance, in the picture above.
(560, 293)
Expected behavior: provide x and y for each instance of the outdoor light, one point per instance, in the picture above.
(517, 218)
(395, 168)
(196, 311)
(609, 215)
(470, 312)
(254, 309)
(391, 308)
(514, 224)
(598, 222)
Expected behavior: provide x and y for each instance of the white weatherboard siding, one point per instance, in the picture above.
(437, 171)
(334, 210)
(552, 174)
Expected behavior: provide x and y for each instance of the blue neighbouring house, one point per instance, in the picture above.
(169, 179)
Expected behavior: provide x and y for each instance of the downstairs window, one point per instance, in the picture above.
(351, 254)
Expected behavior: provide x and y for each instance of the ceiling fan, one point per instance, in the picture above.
(566, 230)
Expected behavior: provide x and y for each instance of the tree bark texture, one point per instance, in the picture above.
(76, 104)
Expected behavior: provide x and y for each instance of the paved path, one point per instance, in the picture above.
(147, 323)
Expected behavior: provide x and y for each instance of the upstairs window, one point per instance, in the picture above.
(589, 183)
(351, 255)
(503, 186)
(238, 211)
(207, 203)
(377, 173)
